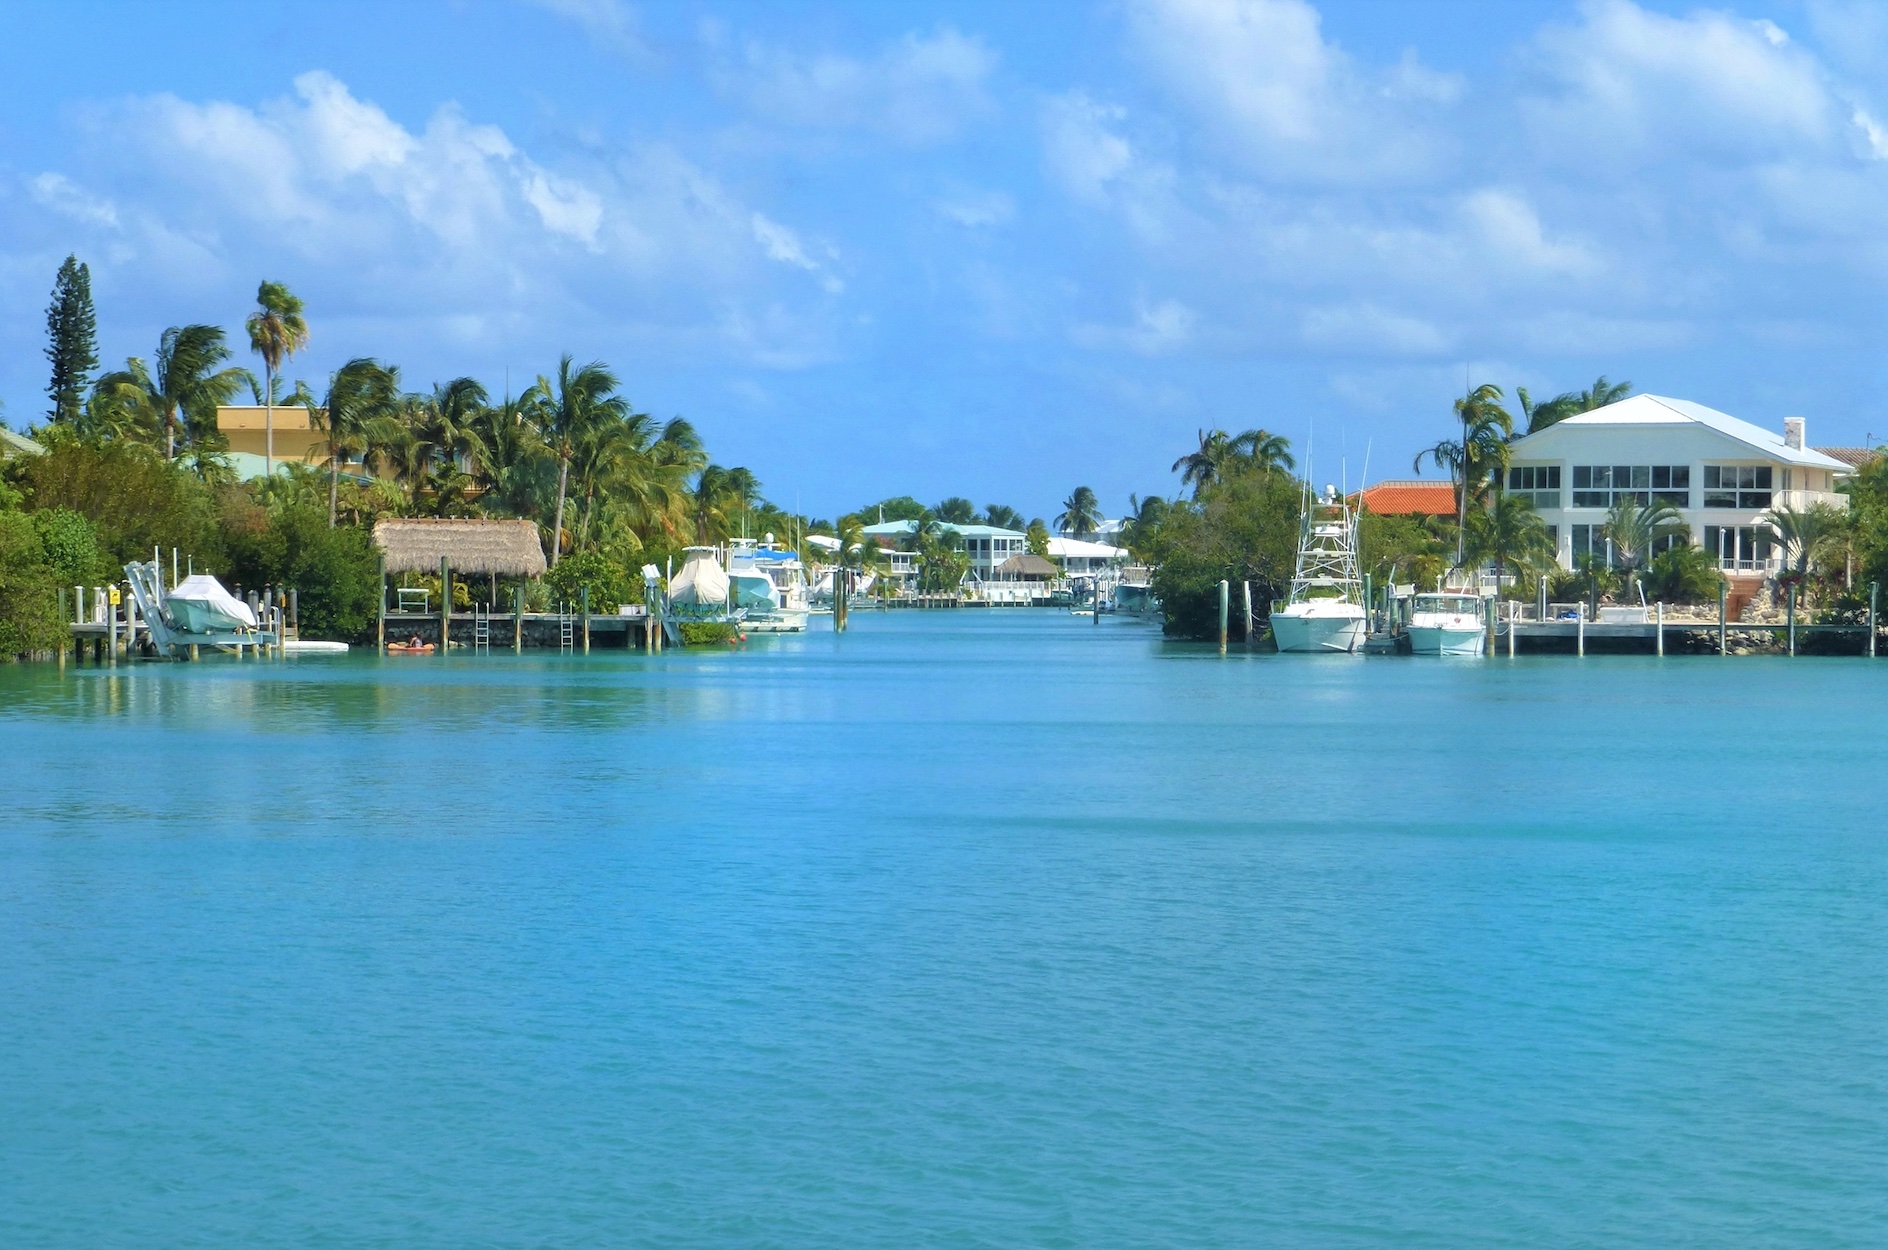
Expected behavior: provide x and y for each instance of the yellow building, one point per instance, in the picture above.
(297, 439)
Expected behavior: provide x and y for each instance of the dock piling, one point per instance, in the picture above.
(1248, 595)
(445, 606)
(1792, 620)
(583, 605)
(380, 626)
(1659, 647)
(1724, 593)
(517, 617)
(1579, 633)
(1225, 596)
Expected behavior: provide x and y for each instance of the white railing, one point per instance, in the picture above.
(1802, 499)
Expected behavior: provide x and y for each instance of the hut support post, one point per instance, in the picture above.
(445, 605)
(517, 618)
(1872, 588)
(1792, 620)
(380, 628)
(1225, 595)
(1724, 594)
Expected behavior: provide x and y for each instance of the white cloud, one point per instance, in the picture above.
(1368, 329)
(1639, 86)
(610, 24)
(922, 89)
(67, 198)
(1082, 151)
(978, 210)
(1286, 102)
(1158, 329)
(1507, 222)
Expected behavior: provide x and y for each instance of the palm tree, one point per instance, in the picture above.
(1635, 529)
(1480, 457)
(565, 411)
(1264, 451)
(277, 331)
(1806, 536)
(1081, 514)
(956, 510)
(1003, 517)
(1507, 532)
(184, 391)
(1143, 523)
(1201, 469)
(359, 413)
(1569, 403)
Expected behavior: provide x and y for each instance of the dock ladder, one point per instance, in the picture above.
(566, 629)
(481, 628)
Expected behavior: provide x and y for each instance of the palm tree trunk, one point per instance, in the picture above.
(557, 526)
(334, 483)
(268, 424)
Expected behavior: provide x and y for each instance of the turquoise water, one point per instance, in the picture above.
(963, 929)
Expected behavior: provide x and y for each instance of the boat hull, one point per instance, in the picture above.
(1320, 633)
(779, 621)
(1446, 639)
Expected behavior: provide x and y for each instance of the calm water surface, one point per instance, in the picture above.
(964, 929)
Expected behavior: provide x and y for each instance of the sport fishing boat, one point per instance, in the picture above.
(770, 585)
(1324, 611)
(1446, 624)
(200, 605)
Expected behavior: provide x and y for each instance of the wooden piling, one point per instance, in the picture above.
(380, 627)
(1247, 585)
(1579, 634)
(583, 607)
(1792, 620)
(1225, 598)
(445, 606)
(1659, 648)
(1489, 606)
(1872, 588)
(517, 618)
(1724, 594)
(1513, 616)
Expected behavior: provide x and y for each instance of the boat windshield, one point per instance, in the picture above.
(1467, 605)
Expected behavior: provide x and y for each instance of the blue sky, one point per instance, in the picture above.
(984, 249)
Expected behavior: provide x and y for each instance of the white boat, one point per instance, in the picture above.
(1324, 611)
(1134, 593)
(199, 605)
(770, 585)
(1446, 624)
(702, 590)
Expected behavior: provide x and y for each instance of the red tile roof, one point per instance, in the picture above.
(1410, 499)
(1857, 456)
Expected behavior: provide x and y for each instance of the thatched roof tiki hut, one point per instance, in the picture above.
(493, 548)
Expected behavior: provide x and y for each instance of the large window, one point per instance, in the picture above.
(1737, 486)
(1603, 485)
(1590, 540)
(1539, 484)
(1743, 547)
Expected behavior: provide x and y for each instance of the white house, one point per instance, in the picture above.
(987, 545)
(1079, 558)
(1722, 474)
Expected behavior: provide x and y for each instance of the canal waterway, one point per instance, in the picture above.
(961, 929)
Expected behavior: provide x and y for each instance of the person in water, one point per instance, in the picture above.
(413, 643)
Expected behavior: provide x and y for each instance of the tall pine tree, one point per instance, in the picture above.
(72, 333)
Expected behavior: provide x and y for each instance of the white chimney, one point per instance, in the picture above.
(1793, 432)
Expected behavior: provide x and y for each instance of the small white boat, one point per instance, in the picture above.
(1134, 593)
(702, 584)
(199, 605)
(1324, 612)
(1446, 624)
(310, 646)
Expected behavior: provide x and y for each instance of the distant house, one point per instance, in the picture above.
(1720, 473)
(988, 546)
(13, 446)
(1410, 498)
(298, 440)
(1080, 558)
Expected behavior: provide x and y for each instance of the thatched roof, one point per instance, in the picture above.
(1027, 565)
(508, 548)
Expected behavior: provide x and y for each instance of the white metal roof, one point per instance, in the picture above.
(1065, 548)
(1659, 410)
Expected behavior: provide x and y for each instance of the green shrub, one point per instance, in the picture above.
(71, 549)
(607, 582)
(1242, 529)
(336, 572)
(706, 633)
(29, 590)
(133, 498)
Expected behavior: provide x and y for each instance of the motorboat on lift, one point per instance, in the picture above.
(770, 585)
(1446, 623)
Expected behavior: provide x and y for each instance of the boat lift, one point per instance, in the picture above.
(223, 629)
